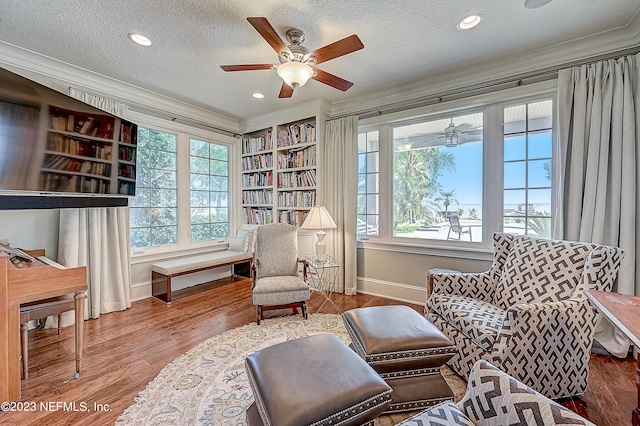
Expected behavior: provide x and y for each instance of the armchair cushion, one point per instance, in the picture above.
(540, 270)
(479, 321)
(279, 290)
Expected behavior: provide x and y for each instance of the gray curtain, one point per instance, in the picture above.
(597, 172)
(340, 177)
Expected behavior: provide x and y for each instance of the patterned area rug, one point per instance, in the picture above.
(208, 384)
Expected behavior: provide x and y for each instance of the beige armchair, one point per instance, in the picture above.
(276, 284)
(528, 314)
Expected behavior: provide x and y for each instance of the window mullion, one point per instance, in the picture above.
(184, 192)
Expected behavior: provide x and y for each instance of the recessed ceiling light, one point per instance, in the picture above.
(139, 39)
(469, 21)
(257, 95)
(533, 4)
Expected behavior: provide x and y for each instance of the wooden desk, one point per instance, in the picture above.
(624, 312)
(37, 281)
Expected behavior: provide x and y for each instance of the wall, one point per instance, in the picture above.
(31, 229)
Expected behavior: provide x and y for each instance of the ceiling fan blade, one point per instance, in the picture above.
(332, 80)
(246, 67)
(285, 91)
(265, 29)
(337, 49)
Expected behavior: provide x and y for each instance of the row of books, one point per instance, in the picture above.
(128, 133)
(260, 161)
(262, 143)
(127, 153)
(292, 217)
(298, 179)
(126, 188)
(297, 199)
(74, 183)
(59, 162)
(254, 180)
(305, 157)
(256, 216)
(85, 148)
(257, 197)
(297, 133)
(127, 171)
(98, 126)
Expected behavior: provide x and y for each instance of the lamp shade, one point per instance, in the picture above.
(295, 73)
(318, 218)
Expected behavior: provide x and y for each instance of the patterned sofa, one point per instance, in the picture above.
(527, 314)
(493, 398)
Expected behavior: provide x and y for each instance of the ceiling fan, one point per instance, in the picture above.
(297, 65)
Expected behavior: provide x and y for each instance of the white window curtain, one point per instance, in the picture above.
(597, 175)
(340, 195)
(98, 238)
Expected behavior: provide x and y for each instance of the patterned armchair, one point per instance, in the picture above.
(276, 284)
(527, 314)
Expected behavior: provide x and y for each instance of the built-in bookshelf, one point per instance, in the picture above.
(279, 173)
(88, 153)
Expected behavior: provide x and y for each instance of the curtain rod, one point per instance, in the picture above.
(481, 88)
(166, 116)
(184, 120)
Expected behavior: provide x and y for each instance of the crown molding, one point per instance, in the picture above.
(622, 39)
(315, 107)
(60, 75)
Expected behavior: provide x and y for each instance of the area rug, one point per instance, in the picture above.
(208, 384)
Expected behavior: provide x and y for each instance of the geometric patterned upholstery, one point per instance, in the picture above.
(537, 325)
(479, 321)
(493, 398)
(446, 413)
(539, 270)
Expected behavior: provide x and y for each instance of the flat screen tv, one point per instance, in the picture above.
(52, 144)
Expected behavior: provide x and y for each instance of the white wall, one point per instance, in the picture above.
(31, 229)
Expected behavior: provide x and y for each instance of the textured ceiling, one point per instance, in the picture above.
(405, 40)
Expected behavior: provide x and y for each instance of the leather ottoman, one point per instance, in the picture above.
(315, 380)
(406, 350)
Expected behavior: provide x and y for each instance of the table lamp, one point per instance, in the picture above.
(319, 218)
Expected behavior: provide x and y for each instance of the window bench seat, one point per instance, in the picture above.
(163, 272)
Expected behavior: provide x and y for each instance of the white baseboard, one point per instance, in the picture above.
(140, 291)
(390, 290)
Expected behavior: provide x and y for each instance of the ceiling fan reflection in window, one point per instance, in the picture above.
(298, 65)
(452, 135)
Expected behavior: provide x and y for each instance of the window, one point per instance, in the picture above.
(437, 179)
(183, 191)
(455, 179)
(368, 183)
(154, 209)
(527, 168)
(209, 185)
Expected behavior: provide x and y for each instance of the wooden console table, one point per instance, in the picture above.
(624, 312)
(35, 281)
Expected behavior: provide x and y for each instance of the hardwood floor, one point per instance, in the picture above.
(125, 350)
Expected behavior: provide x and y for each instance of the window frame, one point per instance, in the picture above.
(492, 105)
(184, 134)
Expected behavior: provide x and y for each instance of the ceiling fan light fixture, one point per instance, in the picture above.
(469, 21)
(295, 73)
(451, 139)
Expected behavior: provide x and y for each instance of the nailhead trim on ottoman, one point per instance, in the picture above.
(316, 381)
(406, 350)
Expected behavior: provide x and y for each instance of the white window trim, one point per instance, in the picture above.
(185, 246)
(492, 105)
